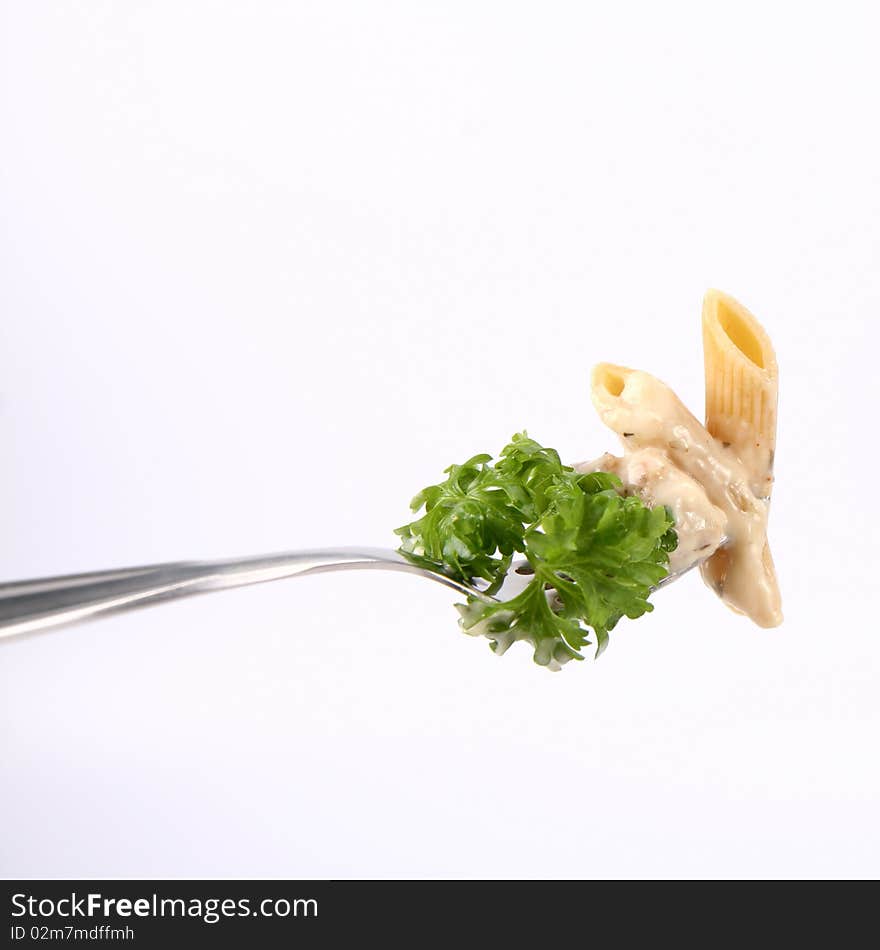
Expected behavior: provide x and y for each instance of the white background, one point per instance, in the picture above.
(266, 269)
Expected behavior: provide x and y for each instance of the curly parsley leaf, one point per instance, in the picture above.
(595, 553)
(470, 528)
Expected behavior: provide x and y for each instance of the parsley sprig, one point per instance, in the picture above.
(595, 552)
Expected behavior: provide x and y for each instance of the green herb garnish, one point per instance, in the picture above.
(595, 552)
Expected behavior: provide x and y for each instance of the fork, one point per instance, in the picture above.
(32, 606)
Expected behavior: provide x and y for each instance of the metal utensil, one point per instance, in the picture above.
(32, 606)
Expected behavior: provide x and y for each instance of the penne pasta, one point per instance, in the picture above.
(742, 385)
(742, 391)
(654, 424)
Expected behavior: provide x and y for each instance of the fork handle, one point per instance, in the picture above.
(45, 603)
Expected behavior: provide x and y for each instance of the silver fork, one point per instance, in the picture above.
(32, 606)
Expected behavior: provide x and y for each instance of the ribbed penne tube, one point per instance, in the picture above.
(742, 392)
(742, 386)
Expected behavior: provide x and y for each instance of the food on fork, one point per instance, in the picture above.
(599, 537)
